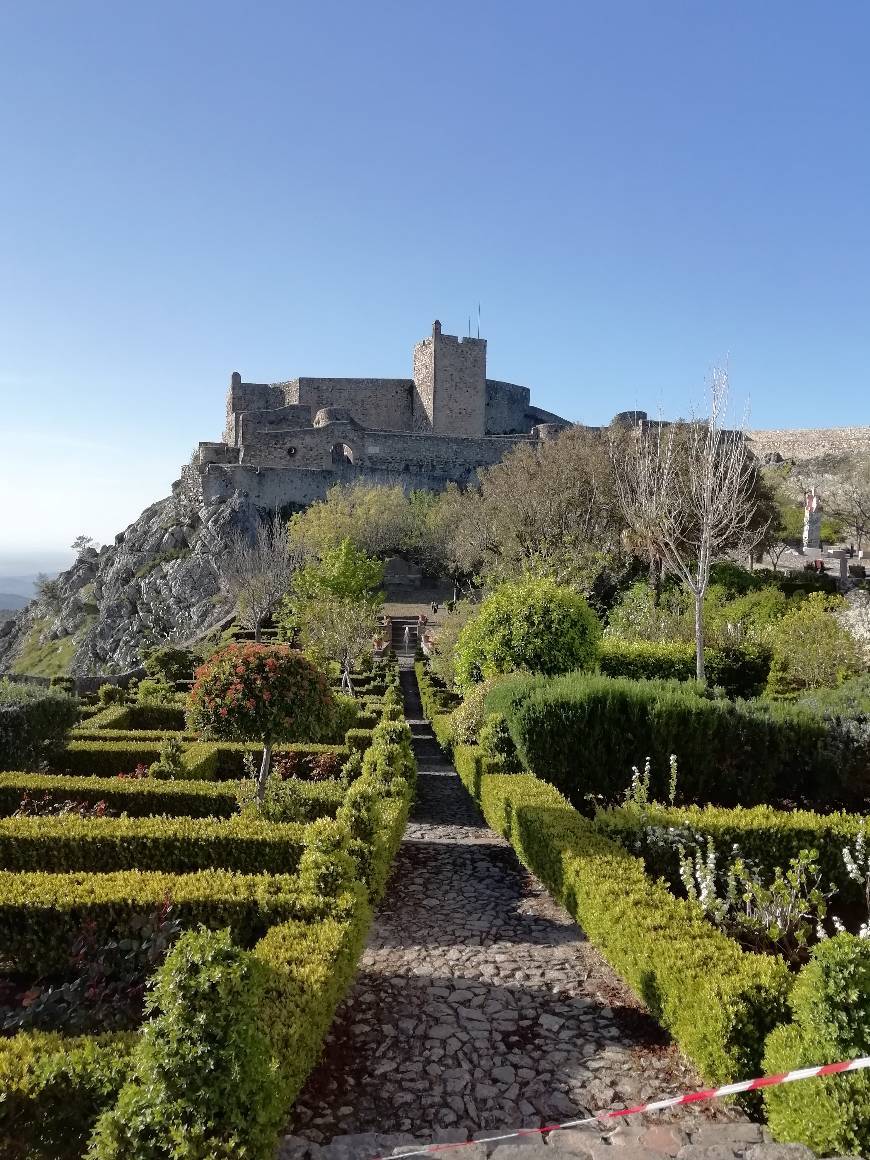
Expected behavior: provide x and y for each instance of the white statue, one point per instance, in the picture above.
(812, 521)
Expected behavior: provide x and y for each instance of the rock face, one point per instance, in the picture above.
(157, 582)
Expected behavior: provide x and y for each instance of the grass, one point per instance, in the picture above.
(44, 658)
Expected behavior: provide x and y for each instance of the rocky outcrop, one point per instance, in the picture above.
(158, 582)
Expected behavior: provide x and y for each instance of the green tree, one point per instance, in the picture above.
(258, 692)
(532, 624)
(346, 572)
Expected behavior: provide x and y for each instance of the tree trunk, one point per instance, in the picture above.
(700, 671)
(265, 766)
(257, 630)
(655, 578)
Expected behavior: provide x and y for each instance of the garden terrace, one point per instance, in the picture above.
(294, 886)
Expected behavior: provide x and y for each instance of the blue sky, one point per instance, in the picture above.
(633, 191)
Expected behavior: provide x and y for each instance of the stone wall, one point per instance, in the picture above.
(506, 406)
(813, 442)
(423, 407)
(382, 404)
(248, 397)
(275, 419)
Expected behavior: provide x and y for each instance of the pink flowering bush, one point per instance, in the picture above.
(260, 692)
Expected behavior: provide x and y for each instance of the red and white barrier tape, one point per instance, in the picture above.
(728, 1089)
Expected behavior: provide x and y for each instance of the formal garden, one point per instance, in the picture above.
(672, 733)
(710, 838)
(186, 883)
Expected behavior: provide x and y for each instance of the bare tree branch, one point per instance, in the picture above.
(686, 490)
(256, 571)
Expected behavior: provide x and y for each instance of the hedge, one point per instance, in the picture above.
(310, 967)
(41, 913)
(740, 672)
(718, 1001)
(766, 837)
(175, 845)
(204, 760)
(438, 704)
(53, 1087)
(137, 797)
(584, 733)
(165, 717)
(32, 720)
(831, 1022)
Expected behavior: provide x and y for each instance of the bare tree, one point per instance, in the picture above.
(850, 503)
(257, 570)
(687, 489)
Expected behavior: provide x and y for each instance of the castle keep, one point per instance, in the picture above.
(287, 443)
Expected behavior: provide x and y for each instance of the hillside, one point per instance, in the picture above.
(156, 582)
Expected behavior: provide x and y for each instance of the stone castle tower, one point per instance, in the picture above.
(450, 385)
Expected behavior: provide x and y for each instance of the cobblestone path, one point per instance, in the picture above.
(478, 1003)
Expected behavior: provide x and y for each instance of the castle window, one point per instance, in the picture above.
(291, 450)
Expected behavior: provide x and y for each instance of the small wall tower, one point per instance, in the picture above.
(450, 385)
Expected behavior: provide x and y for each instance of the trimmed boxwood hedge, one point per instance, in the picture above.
(717, 1001)
(54, 1087)
(766, 837)
(41, 913)
(584, 733)
(204, 760)
(167, 718)
(176, 845)
(32, 721)
(741, 672)
(830, 1003)
(138, 797)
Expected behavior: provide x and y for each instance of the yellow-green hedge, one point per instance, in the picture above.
(177, 845)
(717, 1001)
(41, 913)
(138, 797)
(53, 1087)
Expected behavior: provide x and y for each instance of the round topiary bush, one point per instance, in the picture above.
(533, 625)
(261, 692)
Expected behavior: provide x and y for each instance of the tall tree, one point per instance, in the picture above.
(691, 490)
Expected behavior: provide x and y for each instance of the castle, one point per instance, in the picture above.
(287, 443)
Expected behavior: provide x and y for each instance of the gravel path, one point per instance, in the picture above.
(479, 1004)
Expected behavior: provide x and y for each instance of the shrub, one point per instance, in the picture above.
(139, 797)
(40, 913)
(155, 692)
(54, 1088)
(202, 1083)
(293, 800)
(109, 694)
(584, 733)
(261, 692)
(831, 1009)
(72, 843)
(496, 745)
(765, 838)
(740, 672)
(170, 664)
(170, 763)
(467, 719)
(345, 716)
(530, 624)
(718, 1001)
(811, 648)
(442, 661)
(33, 721)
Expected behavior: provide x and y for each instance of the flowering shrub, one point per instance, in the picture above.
(260, 692)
